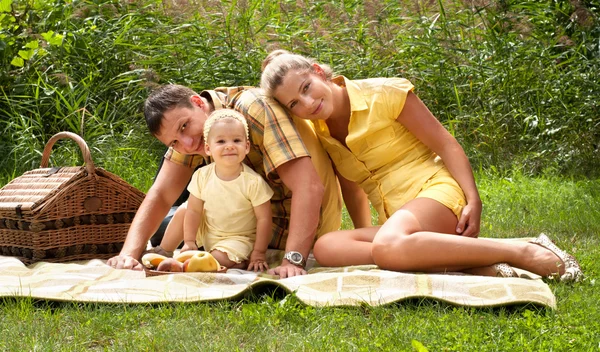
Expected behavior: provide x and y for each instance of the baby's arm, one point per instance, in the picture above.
(264, 224)
(193, 217)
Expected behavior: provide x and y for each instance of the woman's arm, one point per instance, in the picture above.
(417, 118)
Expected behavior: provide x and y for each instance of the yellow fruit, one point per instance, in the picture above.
(202, 262)
(183, 256)
(152, 260)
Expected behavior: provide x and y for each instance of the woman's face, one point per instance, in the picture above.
(306, 94)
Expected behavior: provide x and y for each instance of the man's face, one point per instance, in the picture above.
(183, 128)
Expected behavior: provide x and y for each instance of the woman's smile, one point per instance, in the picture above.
(319, 107)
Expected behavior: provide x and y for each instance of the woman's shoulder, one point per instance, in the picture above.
(383, 83)
(379, 88)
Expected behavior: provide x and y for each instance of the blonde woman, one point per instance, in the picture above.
(391, 151)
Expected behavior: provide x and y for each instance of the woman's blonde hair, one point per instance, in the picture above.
(279, 62)
(224, 114)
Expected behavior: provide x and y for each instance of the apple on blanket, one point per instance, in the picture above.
(189, 261)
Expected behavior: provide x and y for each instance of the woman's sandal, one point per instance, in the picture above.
(504, 270)
(573, 271)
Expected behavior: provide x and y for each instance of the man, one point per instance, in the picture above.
(285, 151)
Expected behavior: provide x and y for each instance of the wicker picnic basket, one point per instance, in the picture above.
(63, 214)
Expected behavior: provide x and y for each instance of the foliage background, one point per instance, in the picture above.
(517, 82)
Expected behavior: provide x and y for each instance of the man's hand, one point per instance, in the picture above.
(286, 269)
(124, 261)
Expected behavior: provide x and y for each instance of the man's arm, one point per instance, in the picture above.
(170, 182)
(300, 176)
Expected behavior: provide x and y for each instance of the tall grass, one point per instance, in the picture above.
(515, 81)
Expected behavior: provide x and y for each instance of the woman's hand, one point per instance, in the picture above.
(470, 220)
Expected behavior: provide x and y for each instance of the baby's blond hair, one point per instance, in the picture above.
(223, 114)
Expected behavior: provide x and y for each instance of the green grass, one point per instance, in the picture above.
(274, 321)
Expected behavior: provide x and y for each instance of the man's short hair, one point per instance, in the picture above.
(165, 98)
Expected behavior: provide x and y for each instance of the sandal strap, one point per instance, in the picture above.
(504, 270)
(573, 272)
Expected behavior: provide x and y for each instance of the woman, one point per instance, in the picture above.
(390, 150)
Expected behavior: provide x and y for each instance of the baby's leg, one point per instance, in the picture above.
(224, 260)
(174, 232)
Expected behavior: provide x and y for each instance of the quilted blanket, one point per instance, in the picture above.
(94, 281)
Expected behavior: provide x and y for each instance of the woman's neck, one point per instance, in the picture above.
(341, 102)
(228, 172)
(340, 118)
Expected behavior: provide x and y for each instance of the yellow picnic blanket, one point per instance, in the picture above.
(94, 281)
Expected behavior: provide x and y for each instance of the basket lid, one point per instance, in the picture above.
(34, 187)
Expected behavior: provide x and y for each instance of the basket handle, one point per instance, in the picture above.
(87, 157)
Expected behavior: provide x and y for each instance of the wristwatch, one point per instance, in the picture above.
(295, 258)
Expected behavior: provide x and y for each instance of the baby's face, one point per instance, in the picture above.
(227, 142)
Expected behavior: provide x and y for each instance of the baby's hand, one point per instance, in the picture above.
(189, 246)
(258, 262)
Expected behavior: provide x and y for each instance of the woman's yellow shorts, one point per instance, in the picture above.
(443, 188)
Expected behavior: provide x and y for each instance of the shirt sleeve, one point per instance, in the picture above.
(191, 161)
(194, 185)
(260, 191)
(281, 141)
(395, 91)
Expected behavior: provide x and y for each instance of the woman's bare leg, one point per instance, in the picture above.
(345, 247)
(415, 239)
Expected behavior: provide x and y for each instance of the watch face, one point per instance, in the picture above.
(296, 257)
